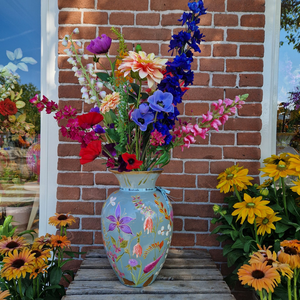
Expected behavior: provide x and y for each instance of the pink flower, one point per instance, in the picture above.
(157, 139)
(117, 250)
(228, 102)
(137, 250)
(110, 102)
(148, 225)
(223, 119)
(207, 117)
(215, 124)
(188, 140)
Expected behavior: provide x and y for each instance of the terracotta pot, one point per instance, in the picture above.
(20, 215)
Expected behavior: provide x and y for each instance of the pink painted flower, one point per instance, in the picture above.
(148, 225)
(157, 139)
(117, 249)
(137, 250)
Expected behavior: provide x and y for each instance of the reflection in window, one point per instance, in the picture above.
(19, 122)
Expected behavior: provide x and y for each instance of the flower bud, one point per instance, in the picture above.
(76, 30)
(264, 192)
(216, 208)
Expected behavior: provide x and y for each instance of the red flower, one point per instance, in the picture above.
(89, 119)
(89, 153)
(131, 161)
(7, 107)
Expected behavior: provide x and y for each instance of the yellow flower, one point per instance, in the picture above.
(265, 224)
(4, 294)
(42, 241)
(61, 220)
(16, 264)
(289, 254)
(259, 276)
(110, 102)
(296, 188)
(40, 256)
(275, 159)
(250, 208)
(265, 184)
(37, 270)
(294, 163)
(11, 243)
(277, 171)
(60, 241)
(234, 175)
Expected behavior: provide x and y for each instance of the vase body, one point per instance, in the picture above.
(137, 227)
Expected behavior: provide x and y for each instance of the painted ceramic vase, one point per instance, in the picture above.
(137, 227)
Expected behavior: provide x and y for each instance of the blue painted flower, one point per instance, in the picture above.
(142, 120)
(160, 101)
(119, 222)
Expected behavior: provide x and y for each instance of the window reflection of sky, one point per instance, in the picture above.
(289, 69)
(20, 28)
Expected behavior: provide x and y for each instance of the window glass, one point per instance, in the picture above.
(20, 53)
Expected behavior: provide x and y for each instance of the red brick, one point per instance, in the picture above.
(207, 240)
(176, 194)
(224, 50)
(205, 50)
(255, 95)
(67, 193)
(196, 109)
(221, 138)
(212, 34)
(252, 50)
(146, 34)
(106, 179)
(252, 166)
(226, 20)
(68, 149)
(122, 5)
(167, 5)
(197, 167)
(224, 80)
(80, 237)
(195, 225)
(195, 93)
(196, 196)
(251, 110)
(84, 32)
(183, 239)
(147, 19)
(98, 238)
(246, 5)
(201, 79)
(75, 208)
(241, 152)
(253, 20)
(91, 223)
(177, 181)
(244, 65)
(175, 166)
(215, 5)
(69, 17)
(67, 77)
(76, 4)
(199, 153)
(68, 164)
(209, 64)
(207, 181)
(69, 91)
(95, 17)
(245, 35)
(243, 124)
(251, 80)
(75, 178)
(95, 165)
(98, 207)
(205, 20)
(217, 255)
(121, 18)
(193, 210)
(178, 224)
(248, 138)
(216, 167)
(93, 194)
(170, 19)
(216, 196)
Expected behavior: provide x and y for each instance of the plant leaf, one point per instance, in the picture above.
(20, 104)
(29, 60)
(22, 67)
(10, 55)
(103, 76)
(18, 53)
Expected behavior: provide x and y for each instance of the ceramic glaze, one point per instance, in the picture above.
(137, 227)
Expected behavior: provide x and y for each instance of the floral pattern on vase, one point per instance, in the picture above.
(137, 227)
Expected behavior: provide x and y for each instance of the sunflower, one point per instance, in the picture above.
(16, 264)
(4, 294)
(294, 163)
(234, 175)
(259, 276)
(265, 224)
(289, 254)
(250, 208)
(277, 171)
(61, 220)
(40, 256)
(8, 244)
(60, 241)
(38, 270)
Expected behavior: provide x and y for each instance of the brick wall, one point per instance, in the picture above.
(231, 63)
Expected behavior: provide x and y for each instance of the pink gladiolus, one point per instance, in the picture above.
(148, 225)
(223, 119)
(215, 124)
(207, 117)
(217, 105)
(137, 250)
(188, 140)
(228, 102)
(233, 110)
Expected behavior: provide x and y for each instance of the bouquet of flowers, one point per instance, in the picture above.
(259, 217)
(131, 124)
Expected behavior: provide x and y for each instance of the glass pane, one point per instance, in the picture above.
(288, 117)
(19, 123)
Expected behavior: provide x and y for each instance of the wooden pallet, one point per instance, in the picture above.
(186, 274)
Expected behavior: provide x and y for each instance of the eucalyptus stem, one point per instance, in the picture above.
(237, 193)
(289, 289)
(284, 195)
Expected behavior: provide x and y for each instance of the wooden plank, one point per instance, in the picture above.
(165, 274)
(171, 263)
(159, 287)
(150, 297)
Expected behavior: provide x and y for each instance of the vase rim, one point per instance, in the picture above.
(156, 170)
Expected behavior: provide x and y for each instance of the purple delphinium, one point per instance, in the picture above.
(161, 102)
(142, 120)
(100, 44)
(98, 129)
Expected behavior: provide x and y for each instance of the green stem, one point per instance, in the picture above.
(34, 288)
(261, 295)
(20, 287)
(255, 231)
(237, 193)
(289, 289)
(37, 286)
(61, 230)
(270, 296)
(284, 195)
(295, 284)
(275, 190)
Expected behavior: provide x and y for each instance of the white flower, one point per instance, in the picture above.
(90, 67)
(85, 56)
(81, 80)
(162, 227)
(112, 201)
(78, 73)
(76, 30)
(85, 96)
(93, 99)
(78, 43)
(102, 94)
(84, 89)
(71, 61)
(64, 43)
(74, 69)
(159, 232)
(80, 51)
(167, 233)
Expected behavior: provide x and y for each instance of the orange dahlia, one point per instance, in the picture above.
(109, 102)
(60, 241)
(61, 220)
(8, 244)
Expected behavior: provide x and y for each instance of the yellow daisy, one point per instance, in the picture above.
(289, 254)
(296, 188)
(4, 294)
(40, 256)
(60, 241)
(265, 224)
(42, 241)
(294, 163)
(275, 159)
(277, 171)
(61, 220)
(265, 184)
(8, 244)
(38, 270)
(234, 175)
(250, 208)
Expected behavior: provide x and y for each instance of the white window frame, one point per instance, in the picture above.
(49, 127)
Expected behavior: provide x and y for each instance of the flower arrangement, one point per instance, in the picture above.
(133, 123)
(35, 271)
(258, 217)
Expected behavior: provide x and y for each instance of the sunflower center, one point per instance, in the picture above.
(18, 263)
(131, 161)
(281, 167)
(258, 274)
(12, 245)
(250, 205)
(141, 120)
(270, 262)
(290, 251)
(59, 242)
(229, 176)
(265, 221)
(62, 218)
(36, 253)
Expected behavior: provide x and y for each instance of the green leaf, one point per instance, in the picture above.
(144, 96)
(228, 218)
(238, 244)
(220, 228)
(113, 240)
(163, 159)
(20, 104)
(292, 207)
(119, 257)
(280, 227)
(135, 87)
(124, 244)
(113, 134)
(227, 249)
(233, 256)
(55, 276)
(103, 76)
(234, 235)
(131, 100)
(29, 292)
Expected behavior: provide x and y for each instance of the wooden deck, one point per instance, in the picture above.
(186, 274)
